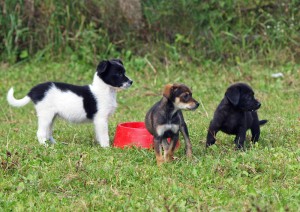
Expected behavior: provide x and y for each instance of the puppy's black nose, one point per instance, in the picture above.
(258, 104)
(130, 82)
(197, 104)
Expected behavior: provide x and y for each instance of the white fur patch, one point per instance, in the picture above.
(67, 105)
(161, 129)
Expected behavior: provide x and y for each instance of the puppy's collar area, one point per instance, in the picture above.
(170, 106)
(166, 96)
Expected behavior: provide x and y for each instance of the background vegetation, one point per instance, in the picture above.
(226, 31)
(205, 44)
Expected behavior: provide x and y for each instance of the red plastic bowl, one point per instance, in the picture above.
(133, 134)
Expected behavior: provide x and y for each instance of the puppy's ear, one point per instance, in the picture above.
(168, 91)
(102, 67)
(118, 61)
(233, 95)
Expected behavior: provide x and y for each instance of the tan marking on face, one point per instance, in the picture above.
(187, 100)
(181, 105)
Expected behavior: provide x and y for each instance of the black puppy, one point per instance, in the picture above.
(235, 115)
(165, 120)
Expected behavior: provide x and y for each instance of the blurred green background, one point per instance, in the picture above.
(227, 31)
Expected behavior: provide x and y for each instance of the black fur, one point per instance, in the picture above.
(112, 72)
(37, 93)
(235, 115)
(167, 112)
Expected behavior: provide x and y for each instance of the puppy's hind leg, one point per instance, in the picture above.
(52, 140)
(255, 127)
(44, 132)
(255, 132)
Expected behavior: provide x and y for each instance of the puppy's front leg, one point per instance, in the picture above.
(165, 146)
(211, 134)
(101, 130)
(188, 145)
(255, 131)
(158, 150)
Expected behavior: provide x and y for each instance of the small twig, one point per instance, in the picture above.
(151, 66)
(79, 163)
(7, 138)
(203, 107)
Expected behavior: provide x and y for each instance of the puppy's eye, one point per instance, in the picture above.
(186, 97)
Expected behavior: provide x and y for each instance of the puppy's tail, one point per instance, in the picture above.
(262, 122)
(16, 102)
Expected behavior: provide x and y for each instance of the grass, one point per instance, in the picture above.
(76, 174)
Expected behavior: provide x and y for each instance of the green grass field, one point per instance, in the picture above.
(76, 174)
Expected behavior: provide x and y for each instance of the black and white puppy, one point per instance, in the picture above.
(165, 120)
(235, 115)
(95, 102)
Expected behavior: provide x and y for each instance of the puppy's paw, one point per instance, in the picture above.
(159, 160)
(175, 158)
(189, 153)
(45, 145)
(208, 144)
(105, 145)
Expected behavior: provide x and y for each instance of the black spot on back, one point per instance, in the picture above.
(38, 92)
(89, 101)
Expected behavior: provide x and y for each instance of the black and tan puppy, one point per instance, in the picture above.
(235, 115)
(165, 120)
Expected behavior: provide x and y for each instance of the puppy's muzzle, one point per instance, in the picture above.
(127, 84)
(254, 107)
(195, 106)
(257, 105)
